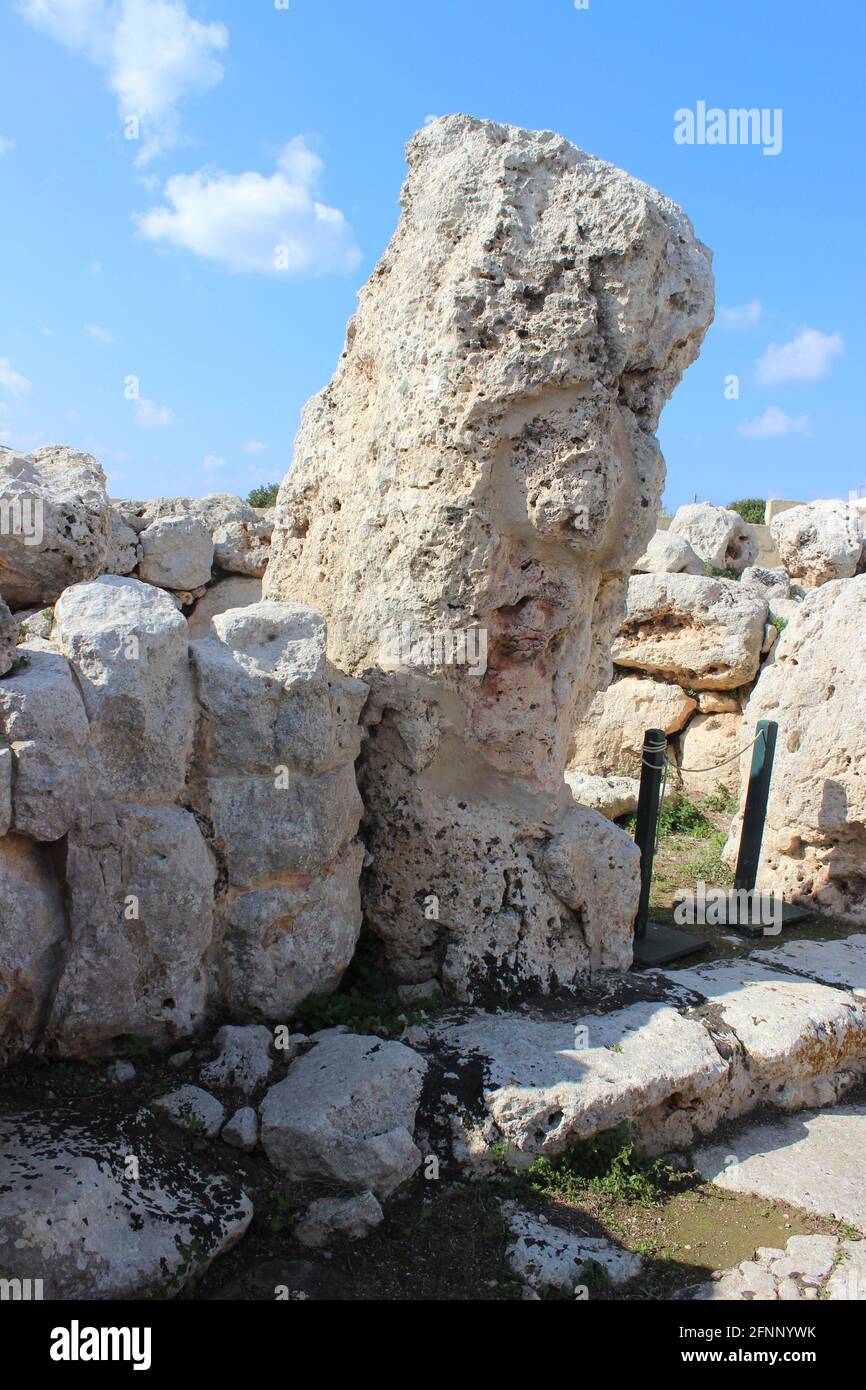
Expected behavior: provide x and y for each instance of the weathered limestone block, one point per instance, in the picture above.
(70, 1217)
(140, 903)
(57, 523)
(43, 721)
(814, 845)
(707, 743)
(124, 549)
(129, 647)
(8, 638)
(483, 466)
(819, 541)
(775, 586)
(705, 634)
(32, 937)
(226, 593)
(176, 553)
(240, 535)
(668, 553)
(717, 535)
(273, 776)
(346, 1111)
(609, 739)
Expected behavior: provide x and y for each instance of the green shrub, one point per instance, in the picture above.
(751, 509)
(264, 496)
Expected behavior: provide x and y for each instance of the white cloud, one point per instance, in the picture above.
(6, 144)
(152, 51)
(807, 357)
(13, 382)
(150, 416)
(212, 463)
(255, 446)
(256, 222)
(740, 315)
(102, 335)
(773, 423)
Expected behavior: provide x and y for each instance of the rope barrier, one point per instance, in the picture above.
(712, 767)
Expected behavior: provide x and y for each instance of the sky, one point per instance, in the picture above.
(193, 191)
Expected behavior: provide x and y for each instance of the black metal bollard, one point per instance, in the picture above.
(655, 743)
(755, 811)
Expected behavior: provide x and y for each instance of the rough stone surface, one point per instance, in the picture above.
(668, 553)
(610, 796)
(226, 593)
(176, 553)
(124, 549)
(70, 1217)
(129, 647)
(841, 962)
(189, 1107)
(244, 1060)
(43, 721)
(775, 586)
(800, 1043)
(242, 1130)
(546, 1256)
(610, 738)
(8, 639)
(240, 535)
(703, 633)
(32, 937)
(811, 1160)
(330, 1217)
(719, 536)
(704, 750)
(814, 688)
(346, 1111)
(273, 776)
(819, 541)
(60, 523)
(485, 457)
(140, 905)
(809, 1268)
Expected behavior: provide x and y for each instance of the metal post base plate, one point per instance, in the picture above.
(792, 916)
(662, 944)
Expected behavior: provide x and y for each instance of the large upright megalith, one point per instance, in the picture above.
(466, 500)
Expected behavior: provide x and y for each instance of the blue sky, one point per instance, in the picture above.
(146, 264)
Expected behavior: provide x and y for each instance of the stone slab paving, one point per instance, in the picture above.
(809, 1268)
(545, 1255)
(841, 962)
(815, 1160)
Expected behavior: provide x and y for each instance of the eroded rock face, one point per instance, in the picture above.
(240, 535)
(819, 542)
(719, 536)
(59, 526)
(32, 939)
(610, 737)
(815, 832)
(273, 777)
(484, 465)
(703, 633)
(8, 639)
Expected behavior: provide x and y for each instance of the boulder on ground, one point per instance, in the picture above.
(482, 472)
(815, 689)
(56, 523)
(668, 553)
(191, 1108)
(609, 740)
(244, 1060)
(349, 1217)
(818, 542)
(234, 592)
(346, 1111)
(703, 633)
(719, 536)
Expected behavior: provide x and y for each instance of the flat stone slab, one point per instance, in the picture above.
(815, 1160)
(545, 1255)
(809, 1268)
(77, 1214)
(841, 963)
(547, 1083)
(803, 1043)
